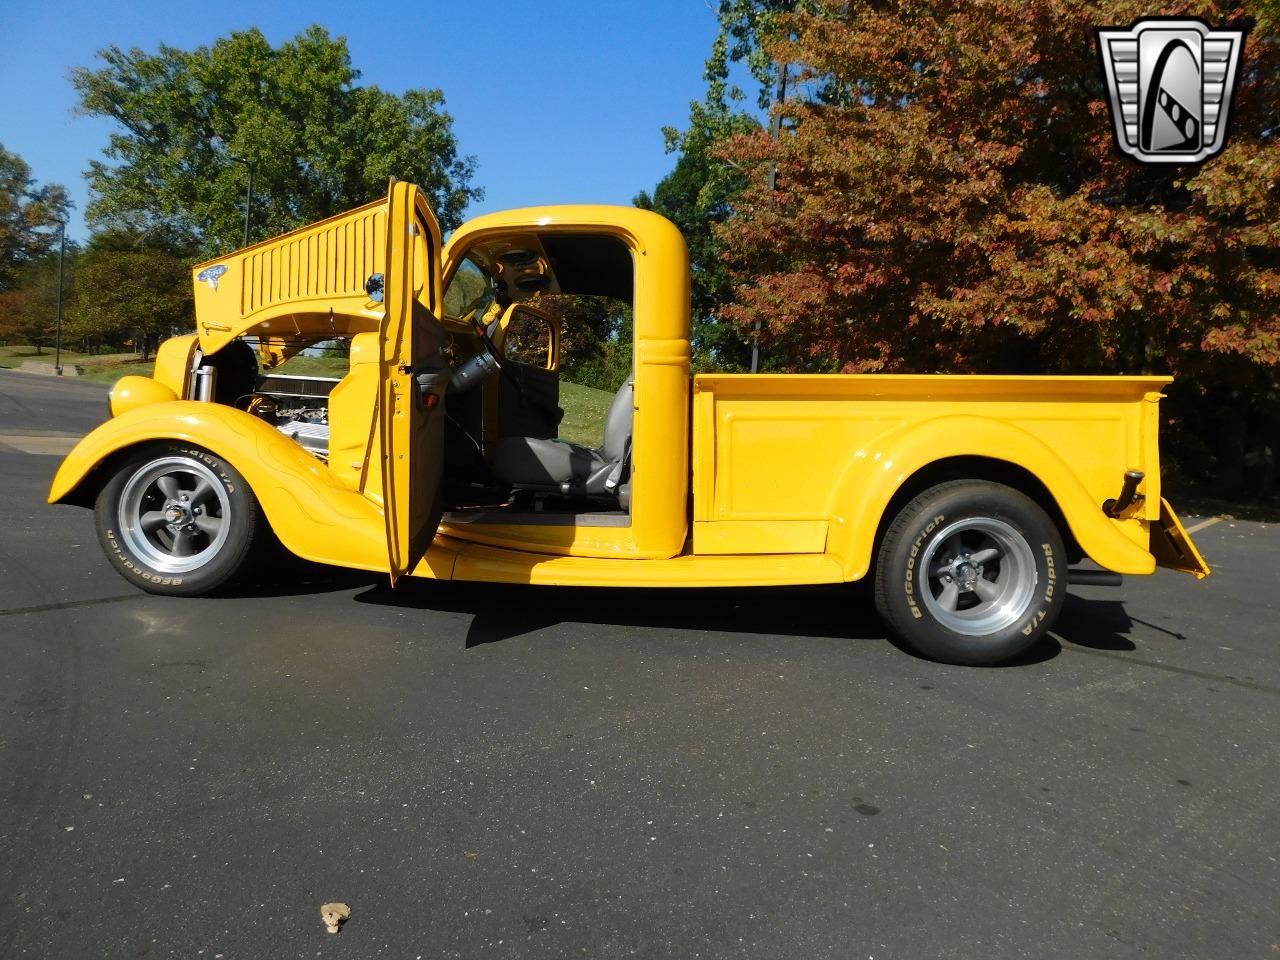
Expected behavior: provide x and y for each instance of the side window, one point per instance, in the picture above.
(530, 340)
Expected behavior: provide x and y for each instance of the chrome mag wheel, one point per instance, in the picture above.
(981, 576)
(174, 514)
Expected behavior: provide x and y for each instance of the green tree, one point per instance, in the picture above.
(319, 143)
(748, 29)
(596, 336)
(695, 197)
(29, 216)
(129, 286)
(688, 197)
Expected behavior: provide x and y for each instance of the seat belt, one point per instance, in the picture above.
(611, 483)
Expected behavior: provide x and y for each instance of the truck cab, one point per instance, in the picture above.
(624, 499)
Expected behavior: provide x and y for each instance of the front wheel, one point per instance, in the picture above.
(969, 572)
(176, 519)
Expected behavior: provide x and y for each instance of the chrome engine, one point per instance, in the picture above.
(296, 406)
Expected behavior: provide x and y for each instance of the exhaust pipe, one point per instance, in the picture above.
(1128, 494)
(206, 384)
(1094, 578)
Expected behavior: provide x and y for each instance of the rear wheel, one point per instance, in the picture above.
(176, 519)
(968, 573)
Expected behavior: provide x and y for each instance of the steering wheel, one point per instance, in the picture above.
(489, 358)
(486, 341)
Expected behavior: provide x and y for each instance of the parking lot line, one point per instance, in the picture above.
(1204, 523)
(37, 445)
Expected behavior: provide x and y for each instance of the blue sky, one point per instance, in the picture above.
(560, 101)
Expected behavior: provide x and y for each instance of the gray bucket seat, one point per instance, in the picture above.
(529, 463)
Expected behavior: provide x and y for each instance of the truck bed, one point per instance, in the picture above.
(810, 463)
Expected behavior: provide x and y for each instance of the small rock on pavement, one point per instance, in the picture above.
(334, 916)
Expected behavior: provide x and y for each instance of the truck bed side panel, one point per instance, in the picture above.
(779, 458)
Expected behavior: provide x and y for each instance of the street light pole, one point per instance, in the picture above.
(248, 196)
(775, 133)
(62, 253)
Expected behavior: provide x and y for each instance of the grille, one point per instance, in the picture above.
(280, 385)
(332, 261)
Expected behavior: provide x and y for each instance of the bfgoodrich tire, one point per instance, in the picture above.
(176, 519)
(971, 572)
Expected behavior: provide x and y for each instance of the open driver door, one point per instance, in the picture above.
(413, 377)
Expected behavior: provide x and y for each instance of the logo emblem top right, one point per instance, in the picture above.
(1170, 83)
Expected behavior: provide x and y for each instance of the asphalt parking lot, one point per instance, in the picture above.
(485, 771)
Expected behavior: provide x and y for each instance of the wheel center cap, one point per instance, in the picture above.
(175, 514)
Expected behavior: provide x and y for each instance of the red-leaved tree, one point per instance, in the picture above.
(949, 198)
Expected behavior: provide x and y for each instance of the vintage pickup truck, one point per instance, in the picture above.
(966, 499)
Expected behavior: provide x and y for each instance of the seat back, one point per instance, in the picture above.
(617, 423)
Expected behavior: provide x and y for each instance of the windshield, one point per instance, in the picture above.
(469, 288)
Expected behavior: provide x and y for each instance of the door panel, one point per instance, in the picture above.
(534, 410)
(413, 378)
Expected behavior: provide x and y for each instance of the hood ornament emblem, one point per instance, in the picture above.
(211, 275)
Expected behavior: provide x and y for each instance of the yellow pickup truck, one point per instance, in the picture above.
(966, 499)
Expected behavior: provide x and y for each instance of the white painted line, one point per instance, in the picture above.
(1204, 523)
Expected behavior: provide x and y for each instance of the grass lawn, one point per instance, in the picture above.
(12, 357)
(584, 412)
(103, 368)
(300, 366)
(109, 369)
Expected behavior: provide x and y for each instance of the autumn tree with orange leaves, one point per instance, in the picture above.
(949, 198)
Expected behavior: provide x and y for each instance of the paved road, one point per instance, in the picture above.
(513, 772)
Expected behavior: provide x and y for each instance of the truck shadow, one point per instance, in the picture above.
(284, 575)
(503, 612)
(1095, 624)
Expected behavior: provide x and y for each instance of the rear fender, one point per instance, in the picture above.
(879, 470)
(312, 514)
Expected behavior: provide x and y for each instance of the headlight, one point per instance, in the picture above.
(132, 392)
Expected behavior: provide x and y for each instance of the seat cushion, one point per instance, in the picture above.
(617, 423)
(528, 460)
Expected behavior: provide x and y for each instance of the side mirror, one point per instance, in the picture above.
(374, 287)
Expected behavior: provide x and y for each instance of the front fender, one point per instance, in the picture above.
(879, 470)
(313, 515)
